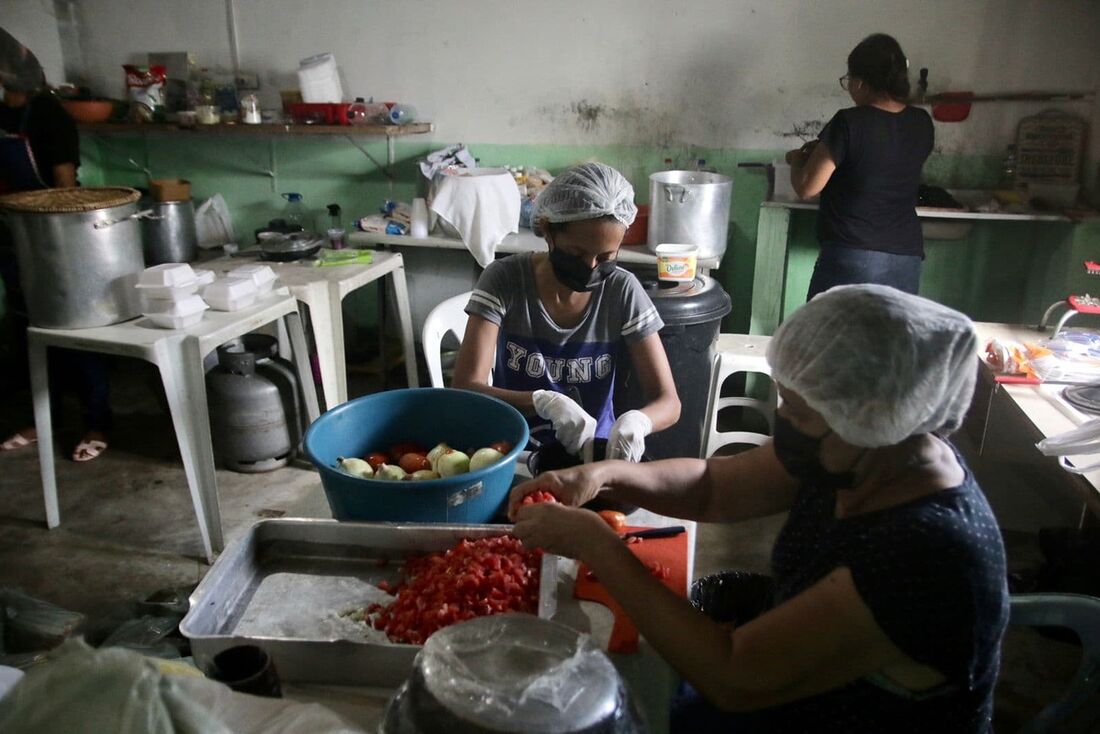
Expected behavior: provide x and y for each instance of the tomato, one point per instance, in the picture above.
(615, 519)
(411, 462)
(474, 578)
(538, 497)
(376, 460)
(405, 447)
(501, 446)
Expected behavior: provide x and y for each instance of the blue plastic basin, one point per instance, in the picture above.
(464, 420)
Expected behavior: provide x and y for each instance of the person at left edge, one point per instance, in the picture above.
(551, 327)
(40, 148)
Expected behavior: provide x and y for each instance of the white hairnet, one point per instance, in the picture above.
(878, 364)
(587, 191)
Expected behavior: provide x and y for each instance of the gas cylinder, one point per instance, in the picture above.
(253, 397)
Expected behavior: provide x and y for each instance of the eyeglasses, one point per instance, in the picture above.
(845, 82)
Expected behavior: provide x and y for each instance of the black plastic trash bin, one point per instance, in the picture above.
(692, 313)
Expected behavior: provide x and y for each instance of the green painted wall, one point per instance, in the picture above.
(1000, 271)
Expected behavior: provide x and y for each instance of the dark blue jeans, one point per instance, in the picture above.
(847, 266)
(85, 373)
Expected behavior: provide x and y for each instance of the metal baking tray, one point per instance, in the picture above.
(283, 585)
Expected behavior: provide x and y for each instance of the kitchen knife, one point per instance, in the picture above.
(668, 532)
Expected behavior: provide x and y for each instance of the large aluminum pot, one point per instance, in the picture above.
(79, 254)
(690, 208)
(169, 233)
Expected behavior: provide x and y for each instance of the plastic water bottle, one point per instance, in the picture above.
(402, 114)
(294, 213)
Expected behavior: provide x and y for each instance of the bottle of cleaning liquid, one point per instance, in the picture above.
(294, 212)
(335, 230)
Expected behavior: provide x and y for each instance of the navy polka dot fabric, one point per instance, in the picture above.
(932, 571)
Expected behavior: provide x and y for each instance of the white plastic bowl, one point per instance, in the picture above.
(179, 314)
(231, 294)
(262, 275)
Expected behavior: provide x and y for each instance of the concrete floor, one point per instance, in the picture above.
(128, 529)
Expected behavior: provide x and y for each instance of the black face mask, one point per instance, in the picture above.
(575, 274)
(800, 456)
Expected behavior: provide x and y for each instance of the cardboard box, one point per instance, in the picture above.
(170, 189)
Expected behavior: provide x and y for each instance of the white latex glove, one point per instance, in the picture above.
(627, 438)
(572, 426)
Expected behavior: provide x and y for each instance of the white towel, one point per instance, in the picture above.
(482, 205)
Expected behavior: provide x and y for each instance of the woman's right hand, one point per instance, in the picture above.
(574, 487)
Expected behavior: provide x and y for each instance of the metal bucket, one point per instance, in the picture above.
(77, 268)
(169, 233)
(690, 208)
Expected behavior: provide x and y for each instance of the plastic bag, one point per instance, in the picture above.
(116, 690)
(31, 625)
(1084, 439)
(145, 86)
(213, 225)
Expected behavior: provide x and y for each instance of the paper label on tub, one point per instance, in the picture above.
(456, 499)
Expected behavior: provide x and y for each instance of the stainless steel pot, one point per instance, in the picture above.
(690, 208)
(77, 268)
(169, 233)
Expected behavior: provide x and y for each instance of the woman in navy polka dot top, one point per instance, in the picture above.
(890, 599)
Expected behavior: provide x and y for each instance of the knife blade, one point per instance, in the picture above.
(669, 532)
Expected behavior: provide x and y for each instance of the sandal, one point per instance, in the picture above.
(17, 441)
(89, 449)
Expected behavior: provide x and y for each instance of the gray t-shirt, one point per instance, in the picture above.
(535, 353)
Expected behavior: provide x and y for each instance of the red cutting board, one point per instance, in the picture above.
(669, 552)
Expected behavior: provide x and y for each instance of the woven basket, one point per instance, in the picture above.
(59, 201)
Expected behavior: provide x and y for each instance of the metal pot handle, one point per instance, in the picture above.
(671, 190)
(143, 214)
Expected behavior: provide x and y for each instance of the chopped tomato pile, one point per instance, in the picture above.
(476, 578)
(538, 497)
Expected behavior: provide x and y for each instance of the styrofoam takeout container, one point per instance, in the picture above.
(262, 275)
(179, 314)
(205, 277)
(172, 281)
(231, 294)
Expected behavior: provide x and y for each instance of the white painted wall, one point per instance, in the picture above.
(732, 73)
(33, 24)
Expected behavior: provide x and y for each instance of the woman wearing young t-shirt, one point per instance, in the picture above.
(867, 165)
(552, 327)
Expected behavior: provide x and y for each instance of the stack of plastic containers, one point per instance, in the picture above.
(168, 295)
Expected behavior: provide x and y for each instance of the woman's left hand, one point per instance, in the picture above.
(564, 531)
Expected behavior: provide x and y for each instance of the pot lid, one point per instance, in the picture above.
(516, 672)
(683, 304)
(66, 201)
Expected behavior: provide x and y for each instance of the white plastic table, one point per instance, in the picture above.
(323, 290)
(178, 355)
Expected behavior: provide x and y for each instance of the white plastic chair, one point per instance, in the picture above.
(447, 317)
(736, 353)
(1075, 612)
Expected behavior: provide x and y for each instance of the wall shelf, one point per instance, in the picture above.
(270, 132)
(269, 129)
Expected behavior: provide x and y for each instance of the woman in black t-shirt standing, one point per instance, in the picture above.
(866, 165)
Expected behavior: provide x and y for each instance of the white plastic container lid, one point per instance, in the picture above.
(262, 275)
(205, 277)
(231, 294)
(170, 275)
